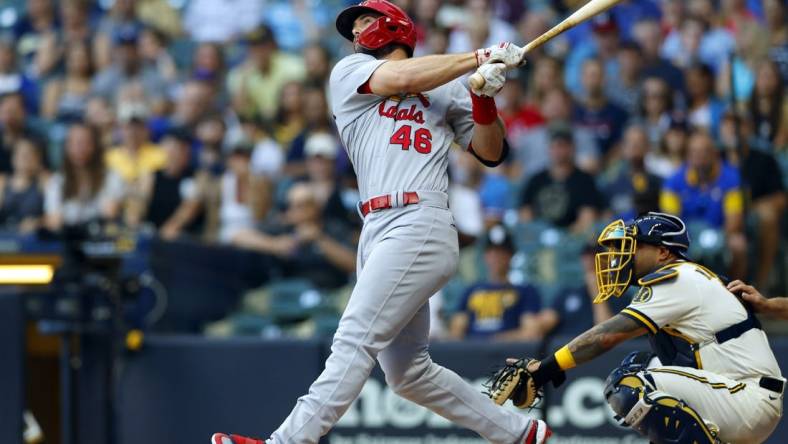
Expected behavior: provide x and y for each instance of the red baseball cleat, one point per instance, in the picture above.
(221, 438)
(539, 433)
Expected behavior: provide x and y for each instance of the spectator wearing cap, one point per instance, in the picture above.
(22, 191)
(256, 84)
(531, 148)
(495, 308)
(122, 15)
(629, 187)
(708, 190)
(170, 198)
(84, 190)
(136, 156)
(603, 46)
(762, 185)
(595, 112)
(221, 22)
(562, 194)
(322, 150)
(14, 125)
(317, 119)
(65, 98)
(127, 68)
(573, 311)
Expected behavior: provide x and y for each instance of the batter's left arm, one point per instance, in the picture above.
(488, 142)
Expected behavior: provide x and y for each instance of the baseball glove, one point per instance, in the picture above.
(515, 382)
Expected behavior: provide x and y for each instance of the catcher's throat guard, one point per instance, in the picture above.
(615, 264)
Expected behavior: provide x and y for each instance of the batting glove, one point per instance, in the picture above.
(494, 79)
(507, 53)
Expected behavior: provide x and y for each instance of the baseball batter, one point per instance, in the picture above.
(712, 377)
(398, 116)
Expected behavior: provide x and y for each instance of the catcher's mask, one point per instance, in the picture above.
(615, 263)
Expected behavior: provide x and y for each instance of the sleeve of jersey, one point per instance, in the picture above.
(460, 115)
(348, 75)
(655, 307)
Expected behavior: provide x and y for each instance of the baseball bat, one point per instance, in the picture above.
(590, 9)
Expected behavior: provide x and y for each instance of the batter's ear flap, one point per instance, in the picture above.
(492, 163)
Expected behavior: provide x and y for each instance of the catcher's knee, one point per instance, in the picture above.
(660, 417)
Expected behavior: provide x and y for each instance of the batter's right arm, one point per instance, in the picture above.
(419, 74)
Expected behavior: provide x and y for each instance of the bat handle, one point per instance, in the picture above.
(476, 81)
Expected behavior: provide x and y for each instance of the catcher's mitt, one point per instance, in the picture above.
(514, 382)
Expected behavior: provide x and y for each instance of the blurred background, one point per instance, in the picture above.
(175, 164)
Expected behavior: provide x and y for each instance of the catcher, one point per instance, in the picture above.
(712, 377)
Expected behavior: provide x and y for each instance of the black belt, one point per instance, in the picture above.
(773, 384)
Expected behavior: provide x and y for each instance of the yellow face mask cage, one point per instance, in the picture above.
(614, 267)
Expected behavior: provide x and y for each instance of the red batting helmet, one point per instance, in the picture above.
(394, 26)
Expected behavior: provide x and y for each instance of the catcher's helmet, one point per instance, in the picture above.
(614, 265)
(394, 25)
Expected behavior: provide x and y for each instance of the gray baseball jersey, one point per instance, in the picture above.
(398, 143)
(405, 255)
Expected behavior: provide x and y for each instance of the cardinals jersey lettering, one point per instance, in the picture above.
(397, 143)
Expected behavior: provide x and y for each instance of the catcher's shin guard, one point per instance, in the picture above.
(656, 415)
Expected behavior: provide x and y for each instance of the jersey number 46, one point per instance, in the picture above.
(421, 139)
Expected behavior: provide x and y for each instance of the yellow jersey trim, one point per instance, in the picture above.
(641, 318)
(693, 345)
(702, 379)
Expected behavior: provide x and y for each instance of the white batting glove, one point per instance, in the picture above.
(494, 78)
(507, 53)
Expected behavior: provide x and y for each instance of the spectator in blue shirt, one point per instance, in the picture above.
(495, 308)
(707, 190)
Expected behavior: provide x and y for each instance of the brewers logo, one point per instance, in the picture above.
(643, 296)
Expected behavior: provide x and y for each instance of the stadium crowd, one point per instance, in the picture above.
(207, 121)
